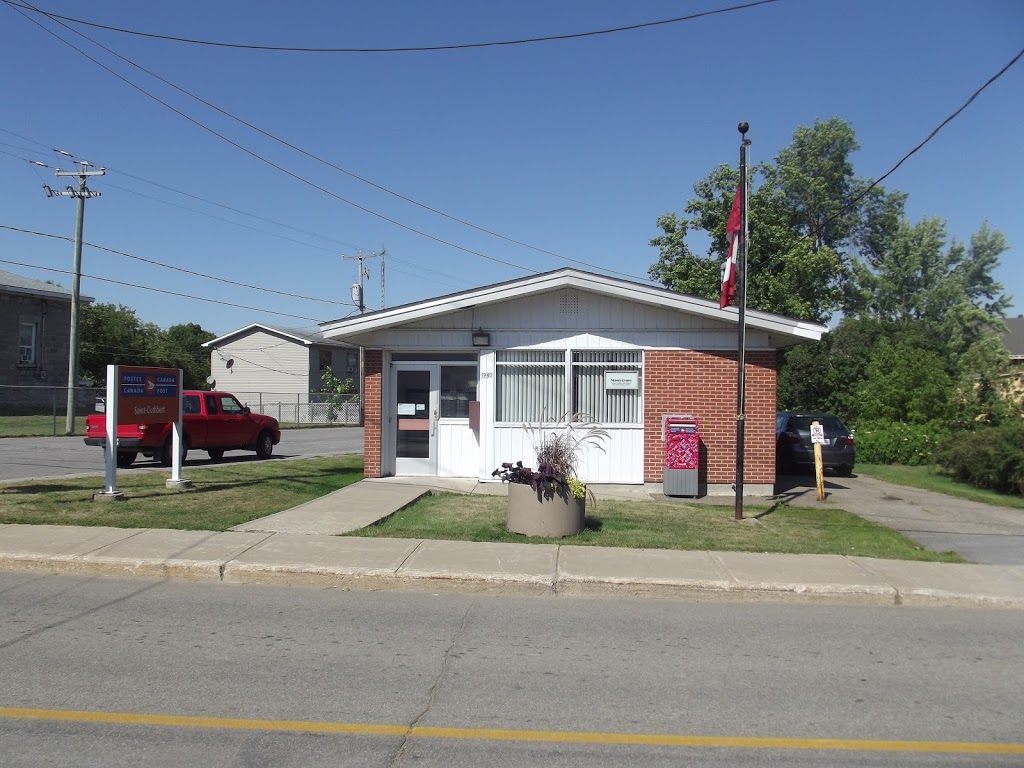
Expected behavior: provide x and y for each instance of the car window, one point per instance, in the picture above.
(190, 404)
(830, 423)
(211, 405)
(230, 406)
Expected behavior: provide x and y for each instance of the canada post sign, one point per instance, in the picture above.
(147, 395)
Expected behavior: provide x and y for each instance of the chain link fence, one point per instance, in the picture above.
(316, 408)
(42, 410)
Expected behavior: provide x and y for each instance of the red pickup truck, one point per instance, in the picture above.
(211, 421)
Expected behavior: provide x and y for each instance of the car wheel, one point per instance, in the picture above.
(167, 454)
(216, 453)
(264, 445)
(125, 460)
(844, 471)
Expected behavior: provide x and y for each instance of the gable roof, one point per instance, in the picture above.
(796, 330)
(12, 283)
(302, 336)
(1013, 339)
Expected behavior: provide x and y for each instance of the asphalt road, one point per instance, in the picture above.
(126, 673)
(25, 458)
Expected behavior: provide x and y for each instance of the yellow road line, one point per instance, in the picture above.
(562, 737)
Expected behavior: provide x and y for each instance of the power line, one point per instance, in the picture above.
(161, 290)
(409, 49)
(432, 272)
(271, 163)
(179, 269)
(325, 162)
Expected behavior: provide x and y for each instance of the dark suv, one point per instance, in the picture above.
(794, 450)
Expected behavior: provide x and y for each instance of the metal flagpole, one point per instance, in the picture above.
(741, 293)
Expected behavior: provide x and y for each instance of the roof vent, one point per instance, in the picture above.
(569, 304)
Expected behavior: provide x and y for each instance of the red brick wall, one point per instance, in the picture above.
(704, 384)
(373, 362)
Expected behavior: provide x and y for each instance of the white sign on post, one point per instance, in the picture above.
(817, 433)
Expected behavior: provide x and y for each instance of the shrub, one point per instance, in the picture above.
(991, 457)
(893, 442)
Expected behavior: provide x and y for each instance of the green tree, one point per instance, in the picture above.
(181, 346)
(336, 392)
(804, 219)
(112, 334)
(904, 382)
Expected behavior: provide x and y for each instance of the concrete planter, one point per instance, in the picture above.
(532, 514)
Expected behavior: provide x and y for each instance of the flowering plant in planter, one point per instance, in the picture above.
(546, 480)
(555, 504)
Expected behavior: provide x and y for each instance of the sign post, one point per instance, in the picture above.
(142, 395)
(818, 440)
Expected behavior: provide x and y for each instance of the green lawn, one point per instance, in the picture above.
(222, 496)
(38, 426)
(929, 478)
(659, 525)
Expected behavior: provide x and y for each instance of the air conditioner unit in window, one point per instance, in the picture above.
(24, 359)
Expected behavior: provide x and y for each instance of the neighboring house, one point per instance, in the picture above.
(1013, 340)
(35, 333)
(268, 360)
(450, 382)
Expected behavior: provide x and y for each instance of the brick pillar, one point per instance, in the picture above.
(372, 409)
(704, 384)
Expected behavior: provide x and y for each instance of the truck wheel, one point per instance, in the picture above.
(124, 460)
(264, 445)
(216, 453)
(167, 454)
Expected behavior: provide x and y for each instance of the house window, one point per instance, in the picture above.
(325, 359)
(603, 396)
(531, 386)
(27, 344)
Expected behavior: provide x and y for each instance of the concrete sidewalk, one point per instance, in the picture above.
(289, 558)
(301, 546)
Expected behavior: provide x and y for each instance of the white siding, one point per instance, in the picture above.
(564, 319)
(458, 449)
(621, 461)
(262, 363)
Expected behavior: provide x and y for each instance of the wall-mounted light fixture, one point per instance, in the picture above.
(481, 338)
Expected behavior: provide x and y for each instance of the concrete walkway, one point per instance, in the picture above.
(297, 547)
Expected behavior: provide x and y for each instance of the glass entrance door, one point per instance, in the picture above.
(415, 419)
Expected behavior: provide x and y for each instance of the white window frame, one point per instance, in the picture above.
(27, 353)
(568, 381)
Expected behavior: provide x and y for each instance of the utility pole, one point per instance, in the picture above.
(357, 299)
(82, 194)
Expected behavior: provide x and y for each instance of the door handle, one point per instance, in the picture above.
(433, 422)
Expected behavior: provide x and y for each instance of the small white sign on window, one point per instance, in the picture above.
(407, 409)
(622, 379)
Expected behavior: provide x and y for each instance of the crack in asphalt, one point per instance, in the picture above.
(432, 693)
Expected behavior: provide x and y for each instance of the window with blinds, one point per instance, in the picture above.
(531, 386)
(595, 396)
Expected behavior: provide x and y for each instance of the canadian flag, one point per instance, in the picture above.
(732, 236)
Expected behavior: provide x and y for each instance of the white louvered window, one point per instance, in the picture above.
(530, 385)
(607, 386)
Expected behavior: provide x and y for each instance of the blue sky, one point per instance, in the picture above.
(574, 147)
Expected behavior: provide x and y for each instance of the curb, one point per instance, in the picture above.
(561, 585)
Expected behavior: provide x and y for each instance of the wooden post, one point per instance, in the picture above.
(817, 437)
